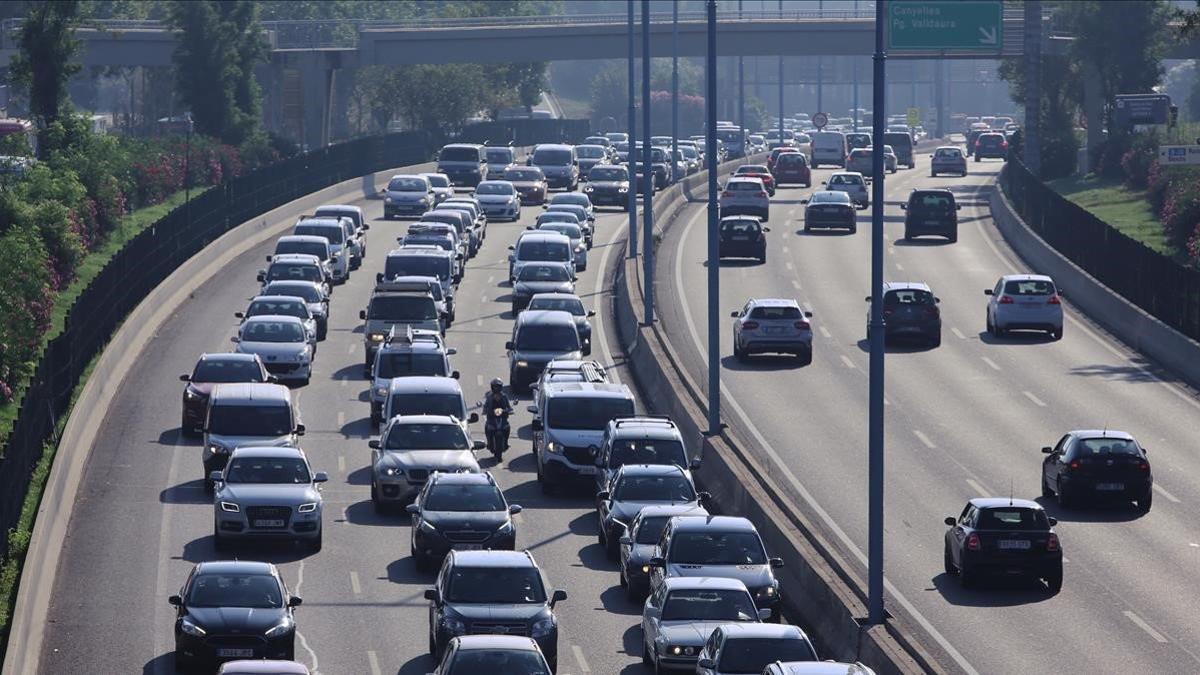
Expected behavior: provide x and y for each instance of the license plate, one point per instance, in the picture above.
(587, 471)
(739, 238)
(1014, 544)
(235, 653)
(774, 330)
(467, 547)
(932, 222)
(1110, 486)
(273, 522)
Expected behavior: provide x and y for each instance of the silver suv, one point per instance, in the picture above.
(255, 413)
(295, 267)
(388, 309)
(744, 195)
(407, 353)
(568, 425)
(335, 231)
(267, 492)
(358, 241)
(641, 439)
(410, 448)
(776, 325)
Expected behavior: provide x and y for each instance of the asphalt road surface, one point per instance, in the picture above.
(966, 419)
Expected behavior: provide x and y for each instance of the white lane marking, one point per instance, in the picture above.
(794, 482)
(479, 380)
(1163, 491)
(345, 381)
(373, 660)
(354, 583)
(846, 360)
(478, 348)
(491, 278)
(583, 664)
(341, 422)
(164, 555)
(303, 642)
(796, 284)
(1141, 623)
(789, 265)
(350, 348)
(958, 333)
(924, 439)
(479, 323)
(824, 332)
(990, 363)
(599, 306)
(342, 463)
(785, 250)
(982, 491)
(899, 267)
(1037, 401)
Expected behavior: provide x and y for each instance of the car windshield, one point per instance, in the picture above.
(1012, 518)
(589, 151)
(829, 197)
(405, 364)
(740, 227)
(551, 157)
(689, 152)
(300, 271)
(425, 404)
(292, 308)
(777, 313)
(474, 661)
(233, 370)
(932, 201)
(427, 437)
(717, 548)
(668, 488)
(709, 605)
(458, 155)
(256, 591)
(250, 420)
(1028, 287)
(407, 185)
(275, 470)
(523, 174)
(272, 331)
(494, 189)
(316, 248)
(417, 266)
(438, 180)
(752, 655)
(499, 155)
(608, 174)
(908, 297)
(402, 308)
(548, 338)
(543, 250)
(544, 273)
(568, 229)
(307, 292)
(651, 529)
(495, 585)
(574, 306)
(647, 451)
(586, 412)
(1092, 447)
(334, 233)
(464, 498)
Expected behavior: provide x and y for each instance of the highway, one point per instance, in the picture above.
(963, 420)
(142, 519)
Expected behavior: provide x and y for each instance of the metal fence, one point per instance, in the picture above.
(148, 259)
(1166, 289)
(525, 131)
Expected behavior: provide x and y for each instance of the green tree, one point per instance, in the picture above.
(1061, 96)
(219, 45)
(45, 60)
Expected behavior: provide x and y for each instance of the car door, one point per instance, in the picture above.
(997, 291)
(958, 534)
(652, 615)
(1051, 464)
(436, 605)
(1062, 460)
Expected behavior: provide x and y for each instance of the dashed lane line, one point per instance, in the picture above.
(924, 439)
(1141, 623)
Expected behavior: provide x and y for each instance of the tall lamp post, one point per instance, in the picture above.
(674, 88)
(633, 247)
(875, 331)
(647, 175)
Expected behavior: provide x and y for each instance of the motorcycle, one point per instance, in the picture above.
(496, 430)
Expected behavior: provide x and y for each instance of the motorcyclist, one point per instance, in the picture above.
(497, 408)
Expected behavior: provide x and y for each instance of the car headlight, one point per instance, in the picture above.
(588, 188)
(680, 650)
(554, 448)
(579, 248)
(505, 527)
(387, 200)
(542, 628)
(423, 201)
(381, 391)
(192, 629)
(230, 507)
(218, 450)
(307, 508)
(522, 364)
(376, 337)
(767, 592)
(645, 569)
(279, 629)
(623, 189)
(453, 625)
(427, 526)
(392, 471)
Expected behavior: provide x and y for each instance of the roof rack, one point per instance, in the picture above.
(411, 335)
(590, 370)
(392, 284)
(643, 419)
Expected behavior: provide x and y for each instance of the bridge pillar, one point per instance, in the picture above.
(339, 113)
(316, 88)
(1093, 110)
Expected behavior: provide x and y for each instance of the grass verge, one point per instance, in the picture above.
(1125, 209)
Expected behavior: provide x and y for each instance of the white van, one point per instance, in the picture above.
(828, 147)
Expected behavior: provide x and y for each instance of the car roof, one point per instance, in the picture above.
(841, 195)
(593, 389)
(544, 317)
(425, 419)
(248, 393)
(925, 191)
(535, 235)
(294, 258)
(555, 296)
(709, 523)
(425, 384)
(906, 285)
(277, 298)
(1004, 502)
(673, 510)
(649, 470)
(491, 182)
(774, 302)
(274, 318)
(1026, 277)
(744, 179)
(846, 173)
(1102, 433)
(229, 356)
(552, 146)
(272, 451)
(947, 147)
(249, 667)
(349, 208)
(303, 238)
(462, 145)
(703, 583)
(235, 567)
(431, 251)
(463, 478)
(644, 427)
(762, 630)
(504, 642)
(493, 559)
(821, 668)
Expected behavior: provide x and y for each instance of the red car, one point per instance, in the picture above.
(758, 171)
(775, 156)
(792, 168)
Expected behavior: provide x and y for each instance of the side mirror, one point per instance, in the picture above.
(378, 277)
(478, 445)
(808, 315)
(591, 313)
(262, 276)
(1052, 520)
(949, 521)
(766, 229)
(454, 375)
(603, 495)
(988, 291)
(703, 497)
(413, 509)
(734, 314)
(299, 429)
(216, 476)
(904, 207)
(268, 258)
(295, 601)
(431, 594)
(937, 300)
(868, 298)
(545, 206)
(375, 445)
(536, 425)
(532, 409)
(512, 248)
(234, 339)
(185, 378)
(514, 509)
(510, 345)
(451, 351)
(776, 563)
(824, 182)
(1047, 450)
(175, 600)
(958, 207)
(362, 314)
(657, 562)
(764, 614)
(694, 464)
(382, 191)
(473, 418)
(559, 596)
(240, 315)
(803, 201)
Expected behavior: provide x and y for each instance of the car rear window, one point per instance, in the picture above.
(907, 296)
(740, 227)
(948, 153)
(768, 313)
(1028, 287)
(552, 157)
(1012, 518)
(898, 140)
(234, 370)
(927, 201)
(743, 186)
(1106, 446)
(788, 159)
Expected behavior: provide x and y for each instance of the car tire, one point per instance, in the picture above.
(933, 174)
(315, 544)
(1056, 334)
(1064, 499)
(806, 228)
(854, 228)
(209, 486)
(953, 238)
(762, 258)
(967, 577)
(1143, 504)
(183, 664)
(432, 646)
(1054, 581)
(936, 340)
(948, 560)
(378, 505)
(1046, 491)
(990, 327)
(611, 548)
(907, 236)
(420, 561)
(646, 658)
(805, 357)
(738, 353)
(977, 158)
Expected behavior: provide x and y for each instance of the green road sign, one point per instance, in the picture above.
(936, 25)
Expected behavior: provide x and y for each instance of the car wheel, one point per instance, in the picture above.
(953, 238)
(1056, 334)
(1046, 491)
(646, 658)
(933, 174)
(1143, 504)
(948, 560)
(612, 548)
(976, 158)
(805, 357)
(762, 257)
(375, 500)
(991, 327)
(854, 228)
(967, 577)
(936, 340)
(1064, 500)
(806, 228)
(1054, 581)
(737, 352)
(907, 236)
(315, 544)
(183, 664)
(209, 486)
(432, 646)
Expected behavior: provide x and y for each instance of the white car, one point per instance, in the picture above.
(853, 184)
(1024, 302)
(745, 195)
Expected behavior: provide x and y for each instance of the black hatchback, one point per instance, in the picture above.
(743, 237)
(1098, 465)
(1005, 537)
(931, 212)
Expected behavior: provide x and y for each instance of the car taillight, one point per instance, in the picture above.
(1074, 466)
(726, 194)
(1005, 300)
(978, 144)
(931, 311)
(1003, 144)
(1052, 542)
(762, 193)
(750, 325)
(887, 312)
(802, 325)
(972, 542)
(1054, 300)
(1144, 465)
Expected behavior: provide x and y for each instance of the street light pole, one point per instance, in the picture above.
(674, 88)
(781, 84)
(820, 67)
(647, 175)
(875, 332)
(854, 63)
(632, 207)
(741, 99)
(714, 265)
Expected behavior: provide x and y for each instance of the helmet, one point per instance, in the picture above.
(497, 384)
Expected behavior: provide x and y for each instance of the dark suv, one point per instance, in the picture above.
(902, 145)
(991, 146)
(931, 212)
(460, 512)
(493, 593)
(743, 237)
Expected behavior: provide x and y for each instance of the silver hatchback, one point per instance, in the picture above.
(772, 325)
(1024, 302)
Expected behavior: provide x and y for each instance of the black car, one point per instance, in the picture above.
(743, 237)
(659, 164)
(931, 212)
(636, 486)
(1098, 465)
(539, 337)
(910, 310)
(637, 545)
(571, 304)
(496, 593)
(902, 145)
(460, 511)
(992, 145)
(608, 185)
(1003, 536)
(211, 370)
(828, 209)
(233, 610)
